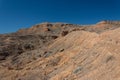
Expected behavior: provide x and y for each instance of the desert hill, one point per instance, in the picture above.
(60, 51)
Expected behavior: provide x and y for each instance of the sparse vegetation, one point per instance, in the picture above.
(59, 51)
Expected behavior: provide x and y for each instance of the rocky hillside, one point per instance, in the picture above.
(60, 51)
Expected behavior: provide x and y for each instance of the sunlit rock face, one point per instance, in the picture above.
(61, 51)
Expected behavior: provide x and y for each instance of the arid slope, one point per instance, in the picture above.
(62, 52)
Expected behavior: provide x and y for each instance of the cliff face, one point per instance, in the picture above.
(62, 52)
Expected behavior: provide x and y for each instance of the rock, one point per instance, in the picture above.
(60, 51)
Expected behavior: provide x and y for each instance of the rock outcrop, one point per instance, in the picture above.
(59, 51)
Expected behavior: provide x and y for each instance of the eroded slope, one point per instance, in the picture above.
(81, 54)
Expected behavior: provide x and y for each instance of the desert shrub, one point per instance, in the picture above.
(28, 46)
(64, 33)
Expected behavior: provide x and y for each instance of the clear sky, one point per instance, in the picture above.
(16, 14)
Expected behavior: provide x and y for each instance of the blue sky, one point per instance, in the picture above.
(16, 14)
